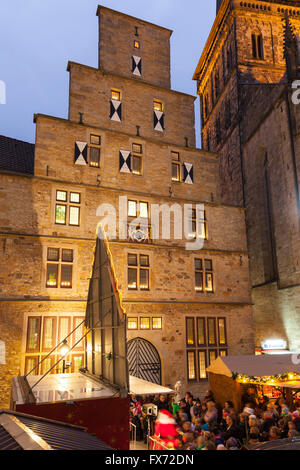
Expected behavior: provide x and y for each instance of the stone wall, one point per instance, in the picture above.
(117, 33)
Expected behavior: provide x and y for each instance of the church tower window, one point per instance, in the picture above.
(257, 46)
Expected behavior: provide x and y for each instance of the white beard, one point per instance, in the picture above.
(164, 419)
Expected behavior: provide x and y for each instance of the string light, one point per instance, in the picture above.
(272, 379)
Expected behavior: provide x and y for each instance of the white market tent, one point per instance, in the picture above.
(142, 387)
(258, 366)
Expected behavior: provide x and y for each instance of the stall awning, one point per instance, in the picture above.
(258, 366)
(142, 387)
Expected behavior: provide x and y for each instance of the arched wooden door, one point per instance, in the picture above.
(143, 360)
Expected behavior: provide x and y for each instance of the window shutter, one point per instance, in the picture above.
(81, 153)
(188, 173)
(116, 110)
(136, 66)
(159, 121)
(125, 161)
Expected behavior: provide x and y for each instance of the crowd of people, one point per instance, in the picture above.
(195, 424)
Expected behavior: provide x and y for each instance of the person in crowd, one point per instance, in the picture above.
(210, 445)
(272, 409)
(283, 426)
(266, 425)
(232, 444)
(209, 396)
(253, 436)
(274, 433)
(207, 425)
(216, 435)
(244, 425)
(249, 398)
(211, 415)
(162, 403)
(155, 400)
(293, 433)
(232, 429)
(248, 409)
(221, 447)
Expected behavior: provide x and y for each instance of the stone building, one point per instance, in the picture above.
(244, 78)
(129, 135)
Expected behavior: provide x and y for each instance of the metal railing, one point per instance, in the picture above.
(133, 434)
(154, 444)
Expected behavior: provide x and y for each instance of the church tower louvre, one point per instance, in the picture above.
(244, 80)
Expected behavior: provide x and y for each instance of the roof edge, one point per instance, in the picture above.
(101, 7)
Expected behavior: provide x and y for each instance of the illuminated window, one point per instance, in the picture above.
(212, 355)
(95, 150)
(77, 362)
(59, 268)
(44, 333)
(158, 105)
(175, 166)
(138, 231)
(33, 334)
(190, 332)
(78, 327)
(46, 365)
(132, 323)
(197, 224)
(30, 363)
(138, 272)
(204, 280)
(222, 331)
(198, 275)
(67, 209)
(115, 95)
(202, 365)
(137, 209)
(49, 333)
(191, 365)
(205, 343)
(137, 159)
(145, 323)
(201, 332)
(211, 325)
(209, 284)
(156, 323)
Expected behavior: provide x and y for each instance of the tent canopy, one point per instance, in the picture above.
(258, 366)
(142, 387)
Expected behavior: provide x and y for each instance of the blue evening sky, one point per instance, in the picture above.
(38, 37)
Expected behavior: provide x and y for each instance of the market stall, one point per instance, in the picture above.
(273, 376)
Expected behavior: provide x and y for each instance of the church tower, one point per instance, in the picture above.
(243, 79)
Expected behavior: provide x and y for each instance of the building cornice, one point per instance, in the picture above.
(128, 79)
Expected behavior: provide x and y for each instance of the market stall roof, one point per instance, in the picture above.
(20, 431)
(64, 387)
(258, 366)
(142, 387)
